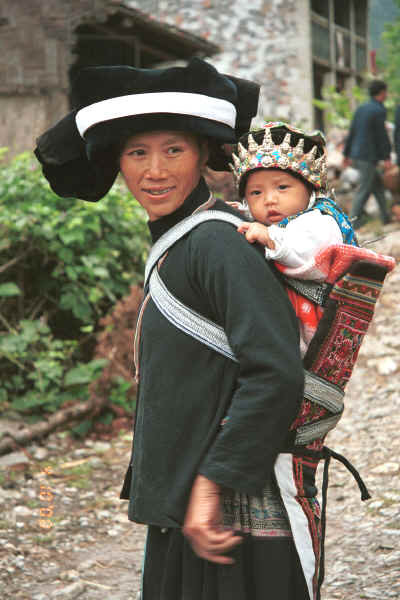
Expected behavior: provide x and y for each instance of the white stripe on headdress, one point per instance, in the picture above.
(182, 103)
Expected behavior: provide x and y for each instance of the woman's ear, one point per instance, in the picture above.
(204, 153)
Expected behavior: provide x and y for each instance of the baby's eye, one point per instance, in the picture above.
(283, 186)
(255, 193)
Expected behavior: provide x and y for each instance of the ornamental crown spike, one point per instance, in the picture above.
(242, 151)
(236, 161)
(267, 142)
(286, 144)
(310, 156)
(299, 149)
(252, 145)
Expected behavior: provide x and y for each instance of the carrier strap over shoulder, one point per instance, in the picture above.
(182, 228)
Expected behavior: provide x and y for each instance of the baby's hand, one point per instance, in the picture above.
(256, 232)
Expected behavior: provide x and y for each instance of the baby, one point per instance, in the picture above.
(281, 174)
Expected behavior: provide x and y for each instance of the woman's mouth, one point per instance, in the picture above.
(158, 191)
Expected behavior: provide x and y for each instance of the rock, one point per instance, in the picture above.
(87, 565)
(70, 592)
(103, 514)
(40, 453)
(14, 458)
(71, 575)
(22, 511)
(386, 469)
(101, 447)
(387, 365)
(81, 452)
(19, 561)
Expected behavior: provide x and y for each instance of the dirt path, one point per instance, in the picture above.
(91, 551)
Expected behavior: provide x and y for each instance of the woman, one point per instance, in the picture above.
(207, 427)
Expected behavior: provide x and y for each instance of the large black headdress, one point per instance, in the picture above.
(79, 154)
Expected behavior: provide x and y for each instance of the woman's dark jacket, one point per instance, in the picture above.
(186, 389)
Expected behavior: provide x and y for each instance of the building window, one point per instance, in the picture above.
(342, 13)
(320, 7)
(360, 17)
(320, 41)
(339, 44)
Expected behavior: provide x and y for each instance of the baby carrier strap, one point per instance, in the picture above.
(181, 229)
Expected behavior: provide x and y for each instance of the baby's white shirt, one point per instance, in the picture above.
(302, 238)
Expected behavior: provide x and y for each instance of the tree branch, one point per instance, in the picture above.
(10, 442)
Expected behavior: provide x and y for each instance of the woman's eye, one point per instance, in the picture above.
(174, 150)
(137, 152)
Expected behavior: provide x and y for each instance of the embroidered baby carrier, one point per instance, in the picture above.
(354, 277)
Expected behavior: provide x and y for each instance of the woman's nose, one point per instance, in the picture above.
(155, 168)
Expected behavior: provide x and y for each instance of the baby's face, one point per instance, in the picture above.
(274, 194)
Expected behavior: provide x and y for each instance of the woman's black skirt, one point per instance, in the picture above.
(264, 569)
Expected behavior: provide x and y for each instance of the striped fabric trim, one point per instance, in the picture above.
(298, 521)
(354, 291)
(188, 320)
(182, 228)
(323, 393)
(313, 431)
(180, 103)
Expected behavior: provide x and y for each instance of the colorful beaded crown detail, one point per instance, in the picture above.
(269, 155)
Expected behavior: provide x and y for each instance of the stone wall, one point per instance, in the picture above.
(268, 41)
(37, 38)
(265, 40)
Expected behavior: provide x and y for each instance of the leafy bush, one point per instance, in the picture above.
(64, 264)
(47, 376)
(339, 106)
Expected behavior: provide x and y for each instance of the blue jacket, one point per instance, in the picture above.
(368, 139)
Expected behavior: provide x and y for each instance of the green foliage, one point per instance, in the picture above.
(389, 57)
(339, 107)
(65, 256)
(63, 265)
(118, 394)
(45, 373)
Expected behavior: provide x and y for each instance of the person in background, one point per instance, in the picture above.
(396, 191)
(367, 144)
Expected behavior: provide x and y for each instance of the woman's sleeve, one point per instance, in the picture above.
(298, 242)
(250, 304)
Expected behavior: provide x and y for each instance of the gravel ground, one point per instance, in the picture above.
(64, 532)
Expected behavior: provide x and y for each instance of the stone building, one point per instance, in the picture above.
(292, 47)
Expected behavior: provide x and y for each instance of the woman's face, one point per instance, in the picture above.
(274, 194)
(161, 168)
